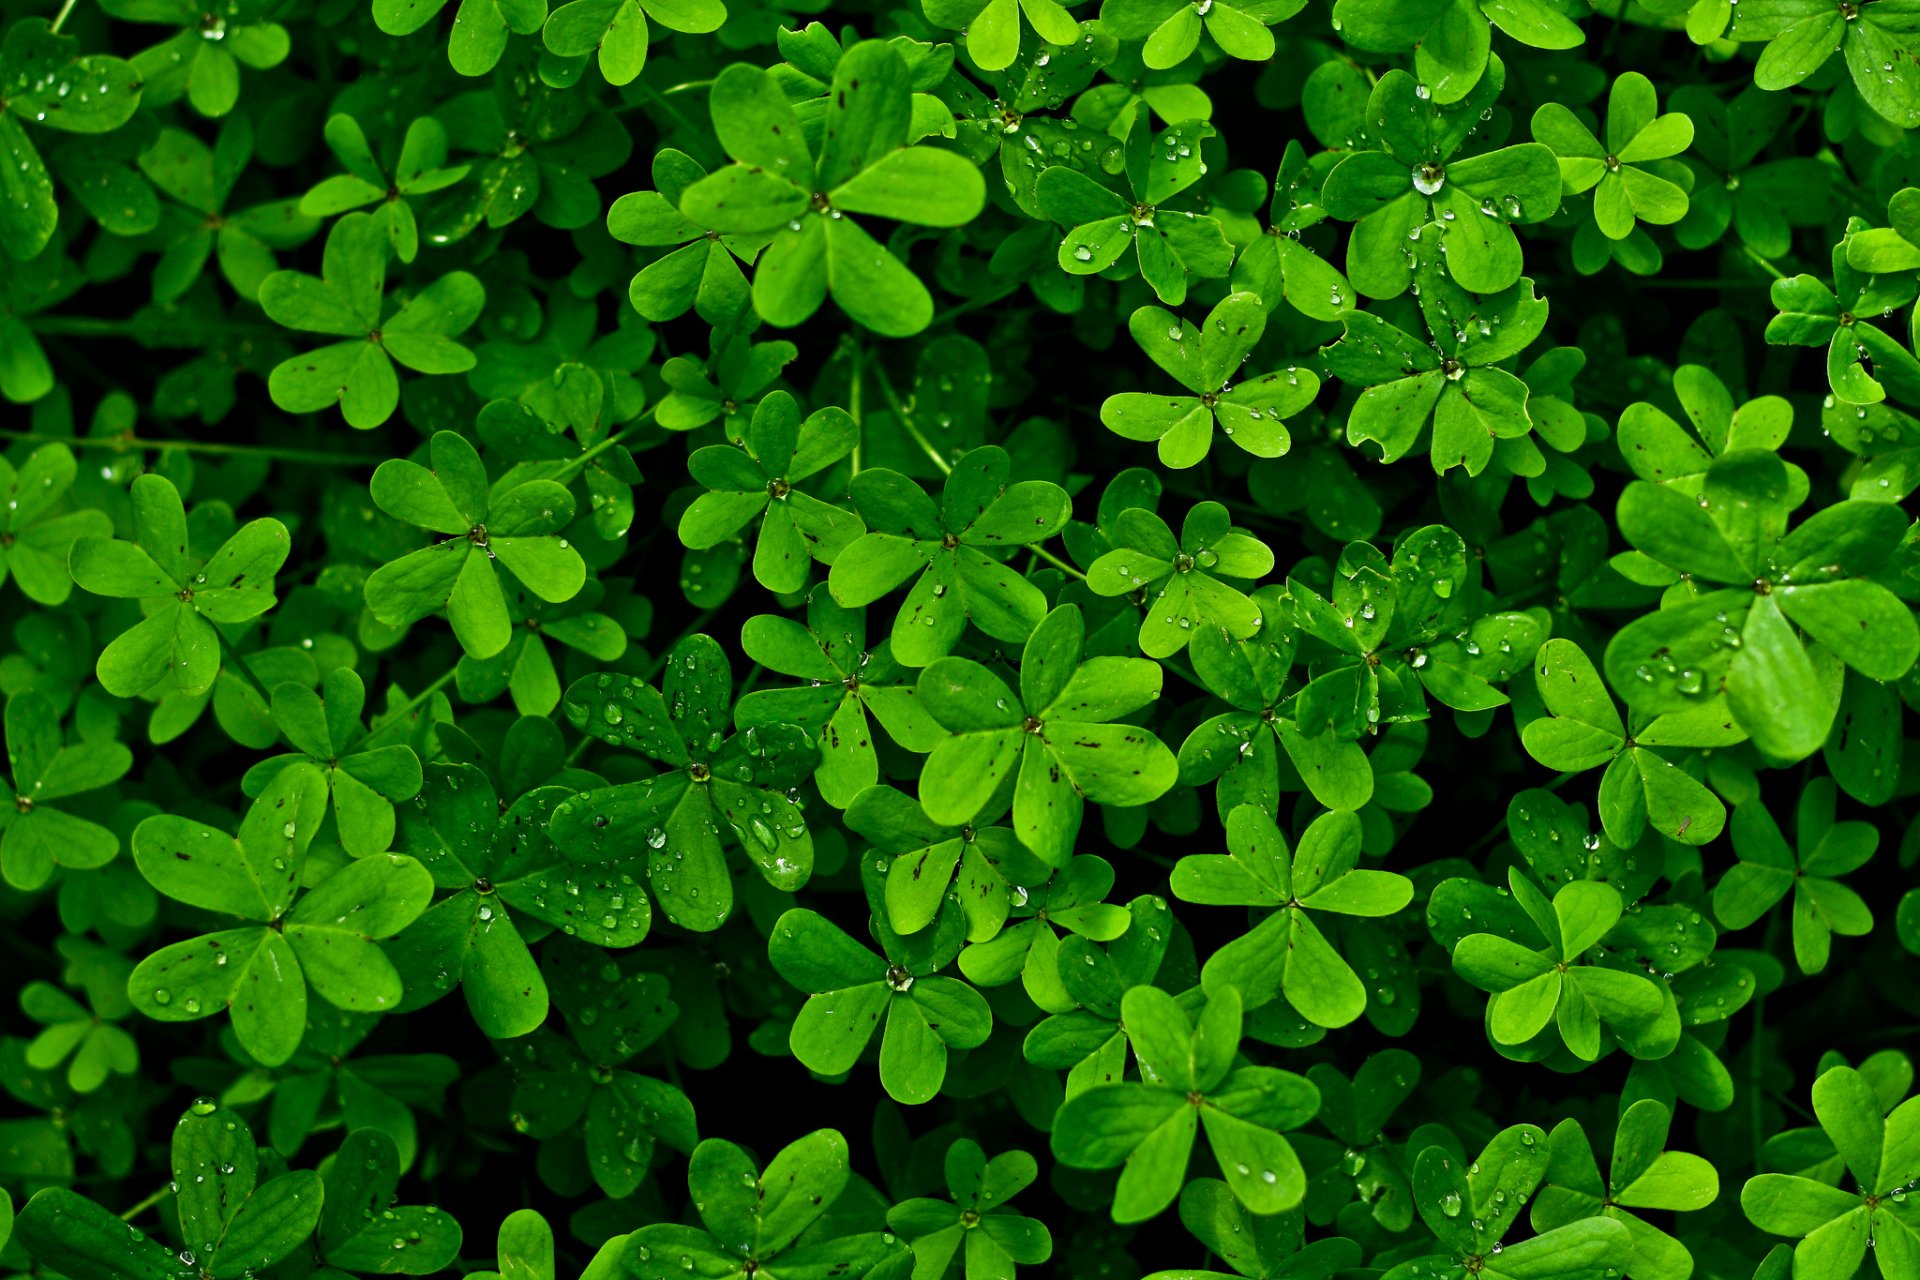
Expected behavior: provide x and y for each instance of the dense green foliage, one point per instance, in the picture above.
(1203, 639)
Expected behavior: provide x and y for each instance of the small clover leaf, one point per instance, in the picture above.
(1642, 1176)
(1181, 578)
(420, 169)
(1630, 174)
(975, 1227)
(35, 836)
(1770, 868)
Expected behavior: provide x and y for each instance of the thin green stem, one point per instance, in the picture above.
(1761, 262)
(235, 660)
(130, 1214)
(579, 464)
(975, 303)
(400, 718)
(209, 448)
(60, 19)
(855, 380)
(905, 419)
(1056, 561)
(106, 327)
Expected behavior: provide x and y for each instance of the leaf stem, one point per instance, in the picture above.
(1771, 270)
(906, 420)
(579, 464)
(60, 19)
(210, 448)
(130, 1214)
(413, 704)
(975, 303)
(235, 659)
(854, 383)
(1056, 561)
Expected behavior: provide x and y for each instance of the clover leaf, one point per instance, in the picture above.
(89, 1041)
(1864, 362)
(232, 1222)
(1532, 987)
(1240, 750)
(513, 524)
(325, 939)
(348, 301)
(202, 60)
(200, 181)
(191, 596)
(364, 780)
(420, 169)
(1759, 581)
(1071, 900)
(1059, 733)
(1280, 264)
(864, 164)
(796, 528)
(1257, 1246)
(1170, 243)
(703, 274)
(1171, 28)
(1188, 1080)
(1182, 577)
(1583, 730)
(1802, 35)
(500, 865)
(36, 837)
(1286, 953)
(1770, 868)
(1205, 360)
(525, 668)
(1411, 182)
(1451, 39)
(1469, 1212)
(711, 781)
(982, 868)
(616, 30)
(850, 990)
(991, 31)
(45, 80)
(1642, 1175)
(1834, 1228)
(1661, 451)
(1085, 1037)
(975, 1226)
(613, 1012)
(846, 683)
(1449, 379)
(364, 1228)
(950, 547)
(753, 1218)
(1630, 175)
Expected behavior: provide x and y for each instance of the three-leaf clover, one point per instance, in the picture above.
(1409, 185)
(1642, 1175)
(581, 1086)
(1240, 749)
(1181, 577)
(1171, 244)
(35, 837)
(1470, 1209)
(975, 1224)
(1073, 901)
(617, 30)
(1188, 1081)
(500, 864)
(231, 1221)
(1881, 1149)
(348, 300)
(202, 60)
(1532, 987)
(1058, 735)
(947, 550)
(1770, 868)
(1171, 28)
(480, 524)
(1583, 730)
(712, 781)
(1451, 40)
(324, 729)
(1449, 379)
(781, 450)
(201, 179)
(980, 867)
(755, 1220)
(1753, 583)
(1630, 175)
(850, 991)
(1801, 35)
(1286, 953)
(846, 683)
(864, 165)
(704, 272)
(1865, 363)
(420, 169)
(1207, 360)
(288, 941)
(184, 596)
(991, 30)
